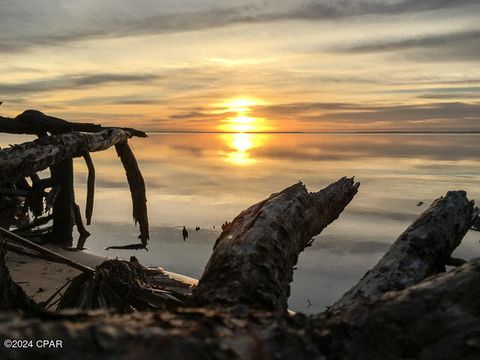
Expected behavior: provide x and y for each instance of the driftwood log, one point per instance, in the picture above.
(421, 251)
(438, 318)
(34, 122)
(253, 259)
(24, 160)
(59, 142)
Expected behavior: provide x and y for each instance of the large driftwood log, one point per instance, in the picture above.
(34, 122)
(253, 259)
(421, 251)
(24, 160)
(436, 319)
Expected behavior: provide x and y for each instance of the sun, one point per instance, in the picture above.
(243, 121)
(241, 105)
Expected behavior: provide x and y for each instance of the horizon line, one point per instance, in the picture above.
(318, 132)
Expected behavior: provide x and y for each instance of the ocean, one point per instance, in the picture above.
(203, 180)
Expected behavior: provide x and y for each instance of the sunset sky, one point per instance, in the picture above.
(240, 66)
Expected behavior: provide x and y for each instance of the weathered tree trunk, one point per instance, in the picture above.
(436, 319)
(421, 251)
(26, 159)
(253, 259)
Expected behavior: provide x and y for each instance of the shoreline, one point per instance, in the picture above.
(41, 278)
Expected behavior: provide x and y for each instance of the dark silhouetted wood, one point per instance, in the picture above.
(79, 222)
(35, 122)
(137, 189)
(63, 217)
(90, 187)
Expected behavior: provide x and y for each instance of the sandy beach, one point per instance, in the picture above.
(40, 278)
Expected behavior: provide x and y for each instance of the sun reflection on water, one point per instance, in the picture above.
(243, 129)
(240, 146)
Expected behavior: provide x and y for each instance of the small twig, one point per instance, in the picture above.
(56, 293)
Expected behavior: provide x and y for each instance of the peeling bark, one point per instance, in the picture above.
(24, 160)
(421, 251)
(436, 319)
(253, 259)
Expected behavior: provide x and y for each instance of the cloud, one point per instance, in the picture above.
(315, 10)
(72, 82)
(343, 116)
(453, 111)
(49, 22)
(439, 47)
(353, 116)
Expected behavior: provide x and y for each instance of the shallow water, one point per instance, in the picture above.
(206, 179)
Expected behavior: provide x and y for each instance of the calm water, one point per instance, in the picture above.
(205, 179)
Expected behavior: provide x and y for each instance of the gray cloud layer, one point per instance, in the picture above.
(454, 46)
(454, 115)
(71, 82)
(49, 22)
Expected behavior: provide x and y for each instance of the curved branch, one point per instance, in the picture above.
(137, 188)
(90, 187)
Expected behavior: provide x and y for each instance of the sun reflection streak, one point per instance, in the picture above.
(240, 146)
(241, 140)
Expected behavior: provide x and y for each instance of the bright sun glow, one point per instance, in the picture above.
(240, 146)
(241, 105)
(242, 142)
(243, 122)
